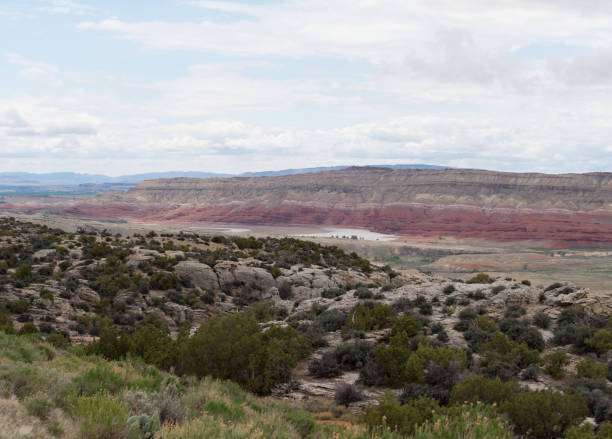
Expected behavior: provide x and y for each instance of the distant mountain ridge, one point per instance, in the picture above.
(334, 168)
(74, 178)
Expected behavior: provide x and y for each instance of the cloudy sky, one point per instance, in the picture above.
(117, 87)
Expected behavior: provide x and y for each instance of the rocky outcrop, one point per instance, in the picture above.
(44, 254)
(201, 275)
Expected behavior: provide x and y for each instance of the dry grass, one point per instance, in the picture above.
(17, 423)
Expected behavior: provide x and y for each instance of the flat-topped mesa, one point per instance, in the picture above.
(566, 209)
(354, 187)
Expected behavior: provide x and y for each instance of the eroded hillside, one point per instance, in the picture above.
(565, 209)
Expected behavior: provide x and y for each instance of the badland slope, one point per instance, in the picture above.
(563, 209)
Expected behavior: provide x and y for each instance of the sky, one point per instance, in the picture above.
(121, 87)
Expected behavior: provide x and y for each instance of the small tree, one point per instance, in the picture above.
(541, 320)
(285, 291)
(544, 414)
(480, 388)
(591, 369)
(600, 342)
(347, 393)
(555, 363)
(481, 278)
(23, 275)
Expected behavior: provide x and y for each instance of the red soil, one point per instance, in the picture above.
(591, 229)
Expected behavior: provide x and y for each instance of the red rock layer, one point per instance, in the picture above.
(561, 229)
(565, 209)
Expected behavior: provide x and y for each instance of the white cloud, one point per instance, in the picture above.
(438, 81)
(441, 40)
(363, 29)
(30, 68)
(62, 133)
(226, 7)
(65, 7)
(592, 68)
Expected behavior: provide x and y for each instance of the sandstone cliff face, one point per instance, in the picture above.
(566, 210)
(366, 187)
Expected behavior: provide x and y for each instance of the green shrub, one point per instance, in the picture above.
(591, 369)
(97, 250)
(227, 412)
(486, 323)
(109, 345)
(402, 418)
(39, 406)
(331, 320)
(146, 425)
(505, 358)
(163, 281)
(406, 324)
(6, 325)
(497, 289)
(514, 311)
(332, 293)
(425, 308)
(369, 318)
(325, 367)
(476, 336)
(576, 334)
(353, 356)
(544, 414)
(363, 293)
(152, 343)
(346, 394)
(605, 431)
(477, 295)
(554, 364)
(541, 320)
(530, 373)
(233, 347)
(55, 429)
(480, 388)
(568, 316)
(285, 291)
(389, 362)
(449, 289)
(585, 431)
(98, 380)
(398, 365)
(601, 341)
(521, 332)
(27, 328)
(275, 271)
(24, 381)
(19, 306)
(301, 420)
(265, 310)
(598, 395)
(103, 416)
(23, 273)
(57, 340)
(481, 278)
(468, 314)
